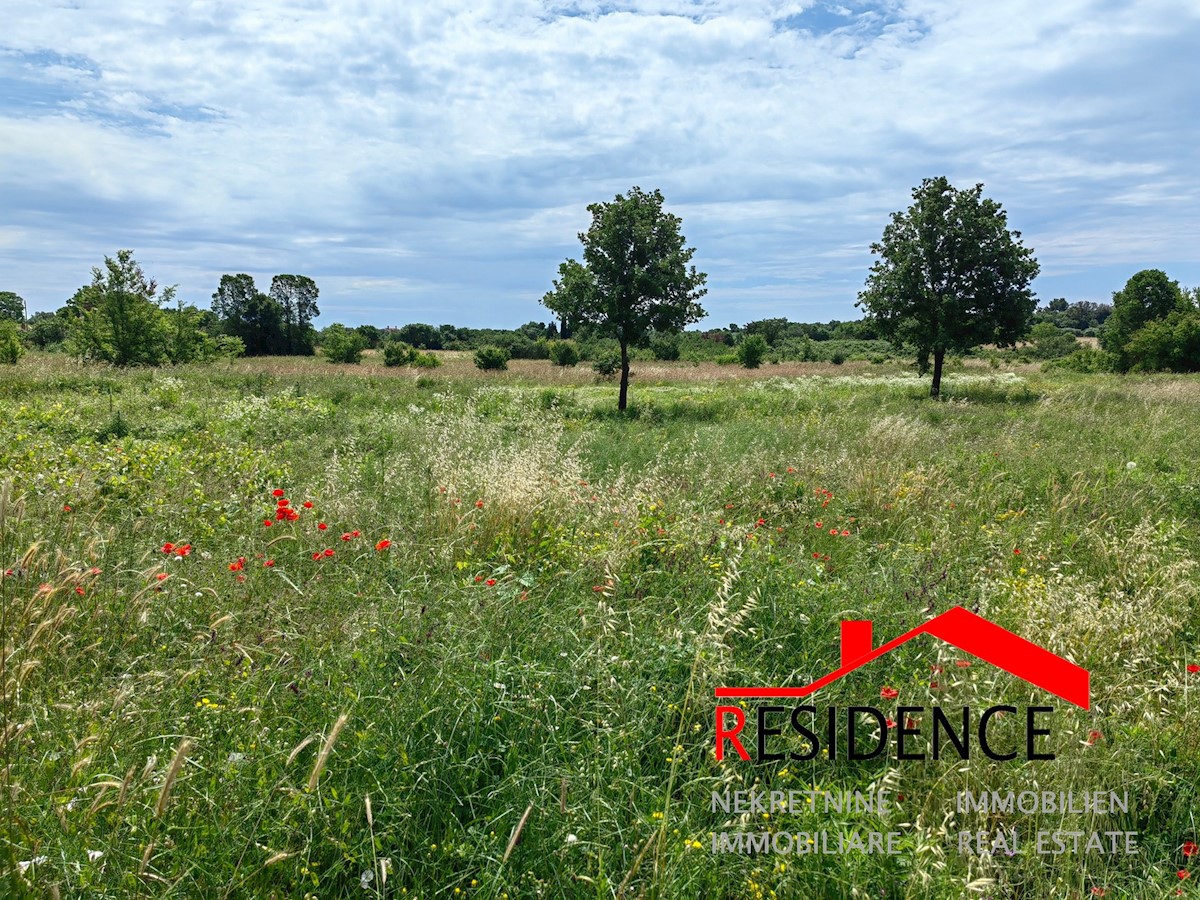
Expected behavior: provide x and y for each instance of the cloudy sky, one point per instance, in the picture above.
(432, 161)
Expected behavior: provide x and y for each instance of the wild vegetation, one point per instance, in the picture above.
(287, 628)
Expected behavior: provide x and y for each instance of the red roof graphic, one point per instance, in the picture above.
(965, 630)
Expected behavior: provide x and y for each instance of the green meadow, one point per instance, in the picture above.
(288, 629)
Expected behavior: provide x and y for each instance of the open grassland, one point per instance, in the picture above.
(482, 662)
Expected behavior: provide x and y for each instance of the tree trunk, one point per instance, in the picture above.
(939, 356)
(624, 377)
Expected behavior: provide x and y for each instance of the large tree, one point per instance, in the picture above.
(118, 318)
(634, 280)
(297, 298)
(951, 276)
(1147, 297)
(250, 315)
(12, 307)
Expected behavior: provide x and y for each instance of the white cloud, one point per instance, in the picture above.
(455, 145)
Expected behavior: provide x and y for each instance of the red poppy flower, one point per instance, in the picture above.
(322, 526)
(845, 533)
(761, 522)
(910, 723)
(168, 547)
(1193, 668)
(329, 551)
(66, 508)
(162, 576)
(346, 536)
(491, 582)
(1183, 873)
(1190, 848)
(236, 566)
(308, 504)
(890, 723)
(479, 504)
(283, 501)
(269, 563)
(355, 533)
(833, 531)
(962, 663)
(772, 475)
(888, 693)
(1098, 891)
(184, 550)
(292, 515)
(790, 470)
(278, 492)
(935, 686)
(94, 570)
(79, 590)
(1092, 737)
(383, 545)
(317, 555)
(1016, 551)
(281, 514)
(816, 556)
(478, 578)
(938, 670)
(818, 524)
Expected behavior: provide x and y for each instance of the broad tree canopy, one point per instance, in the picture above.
(951, 276)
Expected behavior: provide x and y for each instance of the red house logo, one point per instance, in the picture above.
(966, 631)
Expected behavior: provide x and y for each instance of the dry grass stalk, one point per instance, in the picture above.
(164, 795)
(323, 756)
(516, 835)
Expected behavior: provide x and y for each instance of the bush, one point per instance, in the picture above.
(340, 345)
(492, 357)
(751, 351)
(564, 353)
(608, 365)
(1051, 342)
(424, 360)
(1087, 359)
(398, 353)
(10, 344)
(665, 347)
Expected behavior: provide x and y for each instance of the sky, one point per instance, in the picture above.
(433, 161)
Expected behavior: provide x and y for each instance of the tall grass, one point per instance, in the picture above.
(514, 696)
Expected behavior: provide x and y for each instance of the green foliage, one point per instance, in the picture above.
(118, 316)
(47, 329)
(951, 276)
(607, 365)
(296, 297)
(492, 358)
(12, 307)
(1170, 344)
(371, 334)
(1148, 296)
(1086, 359)
(252, 316)
(340, 344)
(564, 353)
(635, 278)
(752, 350)
(398, 353)
(665, 347)
(418, 334)
(1051, 342)
(11, 349)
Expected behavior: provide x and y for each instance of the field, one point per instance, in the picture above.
(477, 658)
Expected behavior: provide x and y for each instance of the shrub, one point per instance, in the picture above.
(10, 343)
(751, 351)
(1087, 359)
(838, 357)
(492, 357)
(341, 345)
(424, 360)
(398, 353)
(665, 347)
(564, 353)
(607, 365)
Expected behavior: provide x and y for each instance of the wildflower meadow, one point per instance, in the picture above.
(282, 629)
